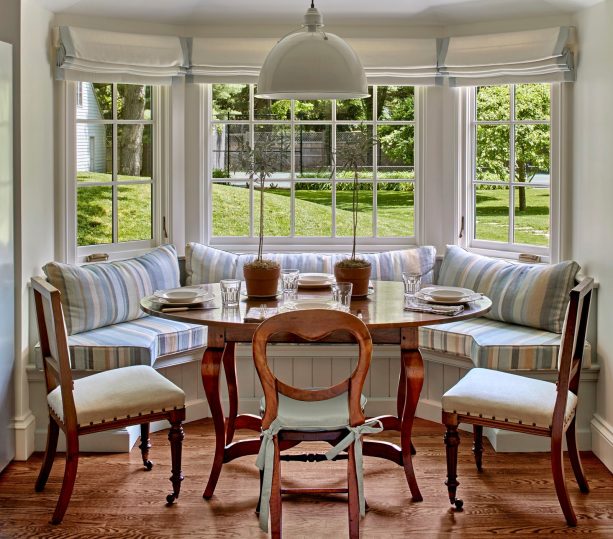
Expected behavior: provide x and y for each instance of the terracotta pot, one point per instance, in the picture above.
(358, 276)
(262, 282)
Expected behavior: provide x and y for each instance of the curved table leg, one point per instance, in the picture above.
(229, 367)
(211, 362)
(401, 396)
(413, 367)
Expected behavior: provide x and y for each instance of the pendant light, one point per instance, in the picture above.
(312, 64)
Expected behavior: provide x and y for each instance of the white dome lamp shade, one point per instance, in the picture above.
(312, 64)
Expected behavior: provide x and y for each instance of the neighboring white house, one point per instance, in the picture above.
(91, 148)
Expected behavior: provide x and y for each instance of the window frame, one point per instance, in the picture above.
(70, 251)
(293, 243)
(557, 171)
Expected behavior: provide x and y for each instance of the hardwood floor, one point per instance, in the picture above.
(115, 497)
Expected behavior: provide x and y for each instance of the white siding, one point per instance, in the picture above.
(89, 110)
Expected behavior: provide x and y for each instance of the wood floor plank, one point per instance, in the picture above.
(114, 497)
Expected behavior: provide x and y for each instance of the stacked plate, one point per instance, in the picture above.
(183, 296)
(315, 280)
(307, 304)
(447, 295)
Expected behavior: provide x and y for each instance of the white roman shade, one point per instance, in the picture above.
(397, 60)
(514, 57)
(90, 55)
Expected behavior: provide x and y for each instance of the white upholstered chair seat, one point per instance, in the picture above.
(119, 393)
(506, 397)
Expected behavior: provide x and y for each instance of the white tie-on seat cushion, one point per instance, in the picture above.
(313, 416)
(119, 393)
(496, 345)
(506, 397)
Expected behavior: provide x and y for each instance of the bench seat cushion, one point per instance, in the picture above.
(138, 342)
(495, 345)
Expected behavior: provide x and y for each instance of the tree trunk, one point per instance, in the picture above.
(130, 137)
(521, 177)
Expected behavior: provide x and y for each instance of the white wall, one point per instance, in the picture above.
(592, 194)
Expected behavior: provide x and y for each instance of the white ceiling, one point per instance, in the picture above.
(235, 12)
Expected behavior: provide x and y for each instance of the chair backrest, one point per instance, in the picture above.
(572, 345)
(54, 345)
(312, 325)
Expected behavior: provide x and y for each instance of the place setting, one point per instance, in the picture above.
(184, 298)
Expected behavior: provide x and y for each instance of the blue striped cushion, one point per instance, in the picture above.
(534, 295)
(495, 345)
(204, 264)
(389, 265)
(305, 262)
(97, 295)
(139, 342)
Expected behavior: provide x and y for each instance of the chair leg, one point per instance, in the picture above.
(70, 475)
(478, 446)
(276, 519)
(354, 500)
(575, 459)
(145, 445)
(175, 437)
(45, 468)
(257, 507)
(452, 440)
(557, 468)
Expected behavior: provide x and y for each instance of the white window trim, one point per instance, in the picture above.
(68, 250)
(309, 243)
(559, 139)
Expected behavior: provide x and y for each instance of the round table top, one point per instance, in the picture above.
(383, 308)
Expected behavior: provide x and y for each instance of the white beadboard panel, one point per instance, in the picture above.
(322, 371)
(435, 381)
(341, 369)
(245, 376)
(380, 377)
(451, 376)
(394, 375)
(282, 367)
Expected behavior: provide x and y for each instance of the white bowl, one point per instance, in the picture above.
(179, 295)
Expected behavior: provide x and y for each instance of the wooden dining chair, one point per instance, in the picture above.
(292, 415)
(107, 400)
(489, 398)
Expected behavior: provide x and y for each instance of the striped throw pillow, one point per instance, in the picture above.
(533, 295)
(101, 294)
(204, 264)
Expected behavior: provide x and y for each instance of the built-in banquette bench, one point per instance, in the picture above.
(107, 329)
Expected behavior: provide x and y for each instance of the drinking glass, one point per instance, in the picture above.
(289, 282)
(341, 294)
(230, 292)
(412, 283)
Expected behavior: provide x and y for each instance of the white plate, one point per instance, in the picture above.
(183, 295)
(307, 304)
(315, 280)
(195, 301)
(448, 295)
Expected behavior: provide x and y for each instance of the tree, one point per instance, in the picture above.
(130, 106)
(532, 102)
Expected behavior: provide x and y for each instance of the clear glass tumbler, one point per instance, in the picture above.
(289, 283)
(341, 295)
(230, 292)
(412, 283)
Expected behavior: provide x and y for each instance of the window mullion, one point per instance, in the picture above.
(375, 159)
(292, 173)
(512, 166)
(115, 169)
(333, 175)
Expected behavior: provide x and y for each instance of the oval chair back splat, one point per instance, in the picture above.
(292, 415)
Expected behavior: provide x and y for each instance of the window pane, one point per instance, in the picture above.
(355, 109)
(231, 101)
(313, 209)
(354, 150)
(230, 209)
(493, 103)
(315, 109)
(225, 143)
(133, 102)
(396, 103)
(269, 109)
(532, 215)
(395, 209)
(532, 101)
(134, 152)
(395, 149)
(96, 101)
(532, 146)
(492, 213)
(313, 151)
(273, 143)
(276, 209)
(344, 214)
(94, 152)
(134, 217)
(94, 215)
(492, 159)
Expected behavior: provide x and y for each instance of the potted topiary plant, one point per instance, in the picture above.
(260, 162)
(352, 156)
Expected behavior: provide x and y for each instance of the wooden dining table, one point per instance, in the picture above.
(383, 313)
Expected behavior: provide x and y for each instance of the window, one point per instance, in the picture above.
(306, 198)
(511, 180)
(115, 165)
